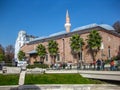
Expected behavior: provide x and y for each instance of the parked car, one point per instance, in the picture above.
(21, 63)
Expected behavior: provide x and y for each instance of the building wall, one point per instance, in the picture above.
(109, 40)
(112, 41)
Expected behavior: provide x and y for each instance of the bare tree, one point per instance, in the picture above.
(116, 25)
(9, 52)
(2, 53)
(2, 49)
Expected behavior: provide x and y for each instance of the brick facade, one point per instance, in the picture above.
(111, 41)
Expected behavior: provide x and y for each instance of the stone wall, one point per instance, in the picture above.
(11, 70)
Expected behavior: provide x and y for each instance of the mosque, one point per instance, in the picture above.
(110, 46)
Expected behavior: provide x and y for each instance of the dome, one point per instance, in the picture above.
(106, 26)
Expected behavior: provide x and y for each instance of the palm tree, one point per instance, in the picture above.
(41, 51)
(53, 49)
(94, 42)
(76, 43)
(21, 55)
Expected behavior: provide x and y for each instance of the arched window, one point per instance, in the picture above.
(63, 49)
(58, 57)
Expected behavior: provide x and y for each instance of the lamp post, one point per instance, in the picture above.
(80, 56)
(109, 52)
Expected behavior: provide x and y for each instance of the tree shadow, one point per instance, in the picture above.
(89, 51)
(26, 87)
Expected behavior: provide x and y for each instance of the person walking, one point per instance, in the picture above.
(94, 64)
(103, 65)
(112, 65)
(98, 62)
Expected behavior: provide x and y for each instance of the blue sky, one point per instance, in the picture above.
(45, 17)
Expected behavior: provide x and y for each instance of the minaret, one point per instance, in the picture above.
(67, 24)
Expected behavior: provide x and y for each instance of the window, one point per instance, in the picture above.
(19, 44)
(19, 38)
(58, 57)
(63, 49)
(109, 53)
(46, 57)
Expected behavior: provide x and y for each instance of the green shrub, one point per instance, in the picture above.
(36, 62)
(31, 66)
(8, 64)
(38, 65)
(107, 61)
(116, 57)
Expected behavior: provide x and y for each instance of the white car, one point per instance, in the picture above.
(21, 63)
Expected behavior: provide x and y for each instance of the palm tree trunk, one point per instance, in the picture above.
(43, 59)
(92, 54)
(78, 65)
(54, 60)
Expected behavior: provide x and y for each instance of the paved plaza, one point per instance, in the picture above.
(62, 87)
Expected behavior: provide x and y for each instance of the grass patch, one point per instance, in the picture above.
(58, 79)
(9, 79)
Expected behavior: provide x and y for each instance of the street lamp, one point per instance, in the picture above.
(109, 54)
(80, 56)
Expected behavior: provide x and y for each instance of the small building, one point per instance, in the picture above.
(21, 40)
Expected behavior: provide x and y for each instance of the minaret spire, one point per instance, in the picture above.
(67, 14)
(67, 24)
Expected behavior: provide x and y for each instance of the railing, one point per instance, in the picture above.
(73, 67)
(85, 67)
